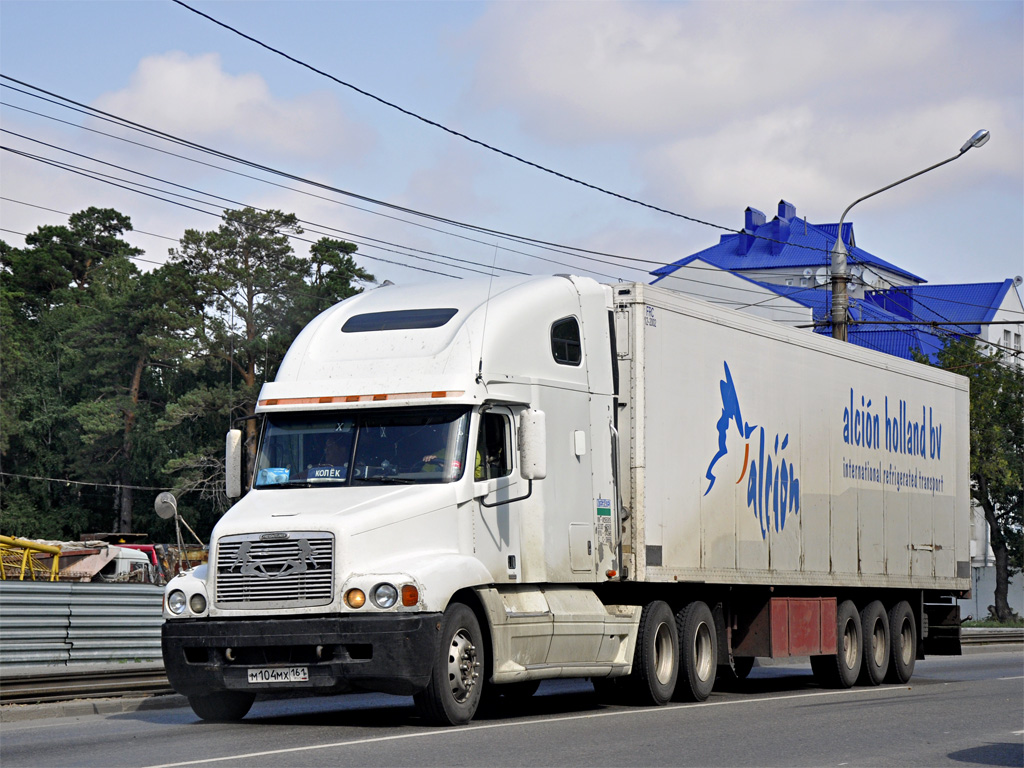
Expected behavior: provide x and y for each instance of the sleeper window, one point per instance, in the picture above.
(565, 342)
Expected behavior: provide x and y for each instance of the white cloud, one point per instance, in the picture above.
(600, 71)
(730, 104)
(822, 162)
(193, 97)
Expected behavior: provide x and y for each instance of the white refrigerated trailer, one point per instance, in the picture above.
(462, 491)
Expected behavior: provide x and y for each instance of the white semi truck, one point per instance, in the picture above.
(462, 491)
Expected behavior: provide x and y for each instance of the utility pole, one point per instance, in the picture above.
(840, 275)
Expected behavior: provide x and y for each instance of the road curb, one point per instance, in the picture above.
(11, 713)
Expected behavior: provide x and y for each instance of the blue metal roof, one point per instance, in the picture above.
(786, 241)
(900, 339)
(967, 304)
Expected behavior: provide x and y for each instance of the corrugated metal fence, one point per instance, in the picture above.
(50, 624)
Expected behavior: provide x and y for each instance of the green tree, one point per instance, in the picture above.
(997, 452)
(65, 373)
(256, 294)
(112, 378)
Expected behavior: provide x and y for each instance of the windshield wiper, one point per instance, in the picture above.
(301, 484)
(386, 479)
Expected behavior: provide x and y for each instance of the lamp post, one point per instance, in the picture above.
(840, 300)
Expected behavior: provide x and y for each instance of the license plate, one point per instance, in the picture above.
(279, 675)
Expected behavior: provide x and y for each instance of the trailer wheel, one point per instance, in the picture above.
(698, 642)
(903, 639)
(875, 630)
(841, 670)
(222, 706)
(656, 658)
(453, 693)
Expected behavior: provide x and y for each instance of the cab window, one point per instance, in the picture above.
(493, 447)
(565, 342)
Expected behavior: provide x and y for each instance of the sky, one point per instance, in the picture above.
(698, 108)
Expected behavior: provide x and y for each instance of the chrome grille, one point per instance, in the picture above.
(254, 570)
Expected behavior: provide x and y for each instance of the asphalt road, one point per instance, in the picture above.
(955, 711)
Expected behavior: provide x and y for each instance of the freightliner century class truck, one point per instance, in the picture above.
(461, 492)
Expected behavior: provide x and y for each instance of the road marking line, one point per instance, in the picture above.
(453, 732)
(1018, 677)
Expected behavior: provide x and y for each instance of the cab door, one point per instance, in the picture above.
(497, 487)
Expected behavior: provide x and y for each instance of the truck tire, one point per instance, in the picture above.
(842, 669)
(698, 645)
(656, 658)
(903, 639)
(874, 623)
(453, 693)
(222, 706)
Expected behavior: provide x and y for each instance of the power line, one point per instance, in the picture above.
(254, 178)
(125, 123)
(65, 213)
(238, 203)
(451, 131)
(523, 239)
(96, 176)
(65, 481)
(478, 142)
(536, 243)
(129, 170)
(246, 205)
(122, 122)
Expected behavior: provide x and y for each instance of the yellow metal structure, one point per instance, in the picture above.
(19, 555)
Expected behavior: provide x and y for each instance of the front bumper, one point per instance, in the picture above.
(386, 653)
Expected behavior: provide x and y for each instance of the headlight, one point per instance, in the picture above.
(384, 595)
(176, 602)
(197, 603)
(355, 598)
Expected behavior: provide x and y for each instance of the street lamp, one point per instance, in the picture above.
(840, 300)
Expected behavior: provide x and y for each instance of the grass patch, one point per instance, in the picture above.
(993, 624)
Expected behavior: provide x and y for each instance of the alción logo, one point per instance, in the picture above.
(773, 490)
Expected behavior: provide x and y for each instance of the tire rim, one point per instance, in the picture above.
(702, 652)
(849, 645)
(878, 643)
(906, 642)
(462, 666)
(664, 654)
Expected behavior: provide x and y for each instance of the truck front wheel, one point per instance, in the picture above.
(656, 659)
(453, 694)
(698, 643)
(222, 706)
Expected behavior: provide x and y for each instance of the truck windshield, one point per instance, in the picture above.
(331, 448)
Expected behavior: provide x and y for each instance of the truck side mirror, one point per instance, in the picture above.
(233, 464)
(533, 456)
